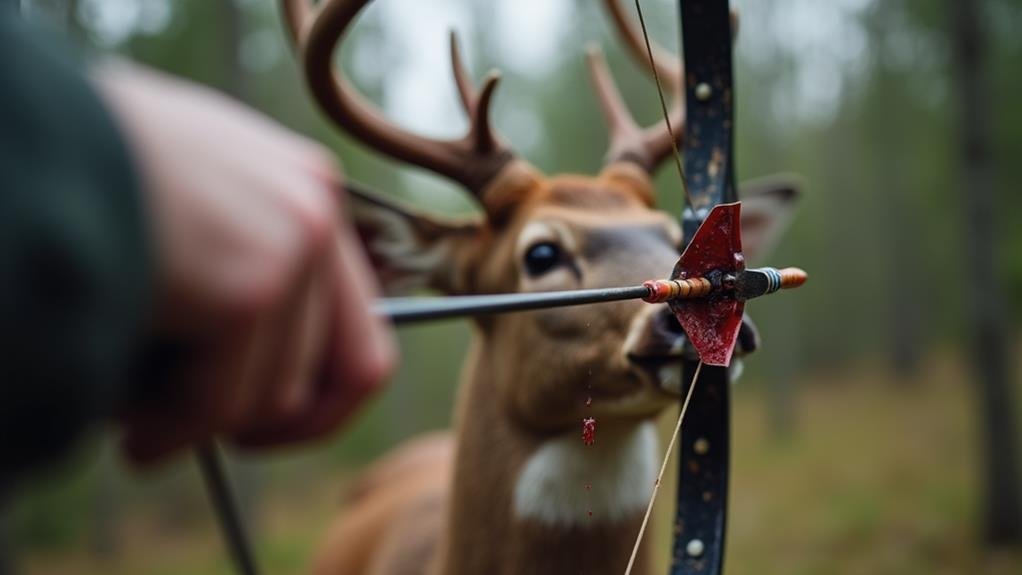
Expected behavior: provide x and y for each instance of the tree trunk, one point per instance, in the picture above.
(987, 313)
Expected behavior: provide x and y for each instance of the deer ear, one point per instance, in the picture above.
(410, 250)
(767, 207)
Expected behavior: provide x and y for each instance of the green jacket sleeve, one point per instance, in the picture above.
(74, 254)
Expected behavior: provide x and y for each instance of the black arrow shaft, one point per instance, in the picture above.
(413, 309)
(747, 284)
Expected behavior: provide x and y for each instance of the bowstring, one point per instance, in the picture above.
(699, 368)
(663, 106)
(663, 467)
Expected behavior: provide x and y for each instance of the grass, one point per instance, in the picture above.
(876, 478)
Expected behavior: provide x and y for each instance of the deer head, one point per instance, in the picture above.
(536, 233)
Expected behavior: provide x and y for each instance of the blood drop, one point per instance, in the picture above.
(589, 430)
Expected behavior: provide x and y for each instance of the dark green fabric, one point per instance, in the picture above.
(73, 254)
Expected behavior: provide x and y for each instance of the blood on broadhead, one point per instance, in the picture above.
(712, 323)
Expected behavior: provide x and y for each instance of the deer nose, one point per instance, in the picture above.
(656, 338)
(666, 323)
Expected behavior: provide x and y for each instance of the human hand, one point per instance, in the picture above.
(258, 272)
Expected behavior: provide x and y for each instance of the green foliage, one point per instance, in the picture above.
(43, 521)
(52, 510)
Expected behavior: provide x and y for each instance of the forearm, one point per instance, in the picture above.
(74, 254)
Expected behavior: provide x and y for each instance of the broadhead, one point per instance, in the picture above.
(712, 323)
(709, 286)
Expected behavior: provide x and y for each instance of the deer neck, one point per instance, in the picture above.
(520, 502)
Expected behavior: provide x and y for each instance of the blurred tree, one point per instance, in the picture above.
(890, 113)
(987, 311)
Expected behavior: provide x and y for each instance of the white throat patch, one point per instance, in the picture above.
(620, 469)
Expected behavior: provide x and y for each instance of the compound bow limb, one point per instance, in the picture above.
(701, 514)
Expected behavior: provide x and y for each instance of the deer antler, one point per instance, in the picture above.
(476, 104)
(474, 160)
(668, 66)
(628, 141)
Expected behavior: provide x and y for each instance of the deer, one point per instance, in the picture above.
(513, 488)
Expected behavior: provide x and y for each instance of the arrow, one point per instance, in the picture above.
(707, 291)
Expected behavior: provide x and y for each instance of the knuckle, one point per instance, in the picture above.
(316, 219)
(371, 371)
(282, 407)
(244, 292)
(325, 164)
(251, 302)
(319, 221)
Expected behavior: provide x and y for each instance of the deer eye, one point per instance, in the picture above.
(541, 258)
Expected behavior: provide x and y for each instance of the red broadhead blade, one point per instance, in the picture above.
(712, 323)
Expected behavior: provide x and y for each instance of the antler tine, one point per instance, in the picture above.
(625, 134)
(474, 160)
(475, 104)
(668, 66)
(297, 15)
(466, 91)
(482, 133)
(649, 147)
